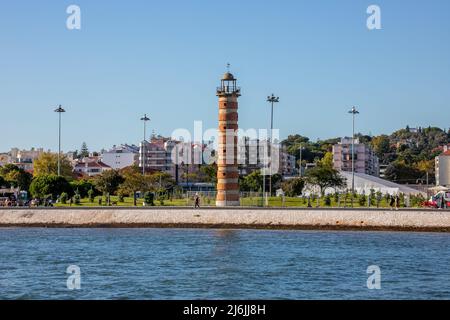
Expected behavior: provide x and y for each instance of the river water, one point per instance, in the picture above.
(221, 264)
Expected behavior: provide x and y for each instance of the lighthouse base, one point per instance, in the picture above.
(228, 203)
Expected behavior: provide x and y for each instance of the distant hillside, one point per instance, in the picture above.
(409, 153)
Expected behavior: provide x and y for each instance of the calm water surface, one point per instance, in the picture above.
(222, 264)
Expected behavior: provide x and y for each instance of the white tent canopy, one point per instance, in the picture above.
(364, 183)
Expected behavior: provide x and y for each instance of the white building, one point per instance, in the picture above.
(443, 168)
(120, 157)
(90, 166)
(365, 183)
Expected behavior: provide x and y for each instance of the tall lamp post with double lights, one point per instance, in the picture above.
(144, 119)
(353, 112)
(60, 111)
(272, 100)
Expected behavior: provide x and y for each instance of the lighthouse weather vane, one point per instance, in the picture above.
(228, 67)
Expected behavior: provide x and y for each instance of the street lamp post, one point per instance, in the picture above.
(354, 112)
(263, 173)
(144, 119)
(59, 110)
(272, 100)
(301, 148)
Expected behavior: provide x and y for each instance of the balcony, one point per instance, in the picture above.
(228, 90)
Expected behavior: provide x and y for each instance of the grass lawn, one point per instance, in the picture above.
(127, 202)
(245, 202)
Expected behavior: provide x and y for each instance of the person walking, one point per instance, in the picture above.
(397, 202)
(196, 201)
(392, 202)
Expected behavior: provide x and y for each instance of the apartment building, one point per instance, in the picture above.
(365, 160)
(443, 168)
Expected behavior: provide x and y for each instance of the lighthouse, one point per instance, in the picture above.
(227, 163)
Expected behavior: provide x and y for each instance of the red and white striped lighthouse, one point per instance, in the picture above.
(227, 164)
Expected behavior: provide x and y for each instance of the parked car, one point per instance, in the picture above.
(441, 200)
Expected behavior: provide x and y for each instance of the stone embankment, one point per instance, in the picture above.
(251, 218)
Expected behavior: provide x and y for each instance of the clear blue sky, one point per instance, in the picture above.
(165, 58)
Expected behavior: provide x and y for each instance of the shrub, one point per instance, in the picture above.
(121, 196)
(161, 199)
(63, 198)
(149, 198)
(417, 200)
(77, 199)
(373, 197)
(362, 200)
(327, 200)
(336, 197)
(91, 195)
(83, 187)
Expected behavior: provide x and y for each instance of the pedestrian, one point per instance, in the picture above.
(70, 201)
(392, 202)
(197, 201)
(440, 201)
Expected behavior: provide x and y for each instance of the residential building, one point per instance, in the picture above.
(443, 168)
(24, 159)
(154, 156)
(383, 168)
(90, 167)
(365, 160)
(119, 157)
(251, 157)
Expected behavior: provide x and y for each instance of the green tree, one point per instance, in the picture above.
(251, 182)
(133, 181)
(3, 183)
(293, 187)
(47, 164)
(381, 145)
(16, 177)
(327, 160)
(83, 186)
(400, 172)
(108, 182)
(84, 151)
(324, 177)
(159, 180)
(45, 185)
(209, 172)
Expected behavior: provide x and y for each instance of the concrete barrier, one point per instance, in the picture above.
(348, 219)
